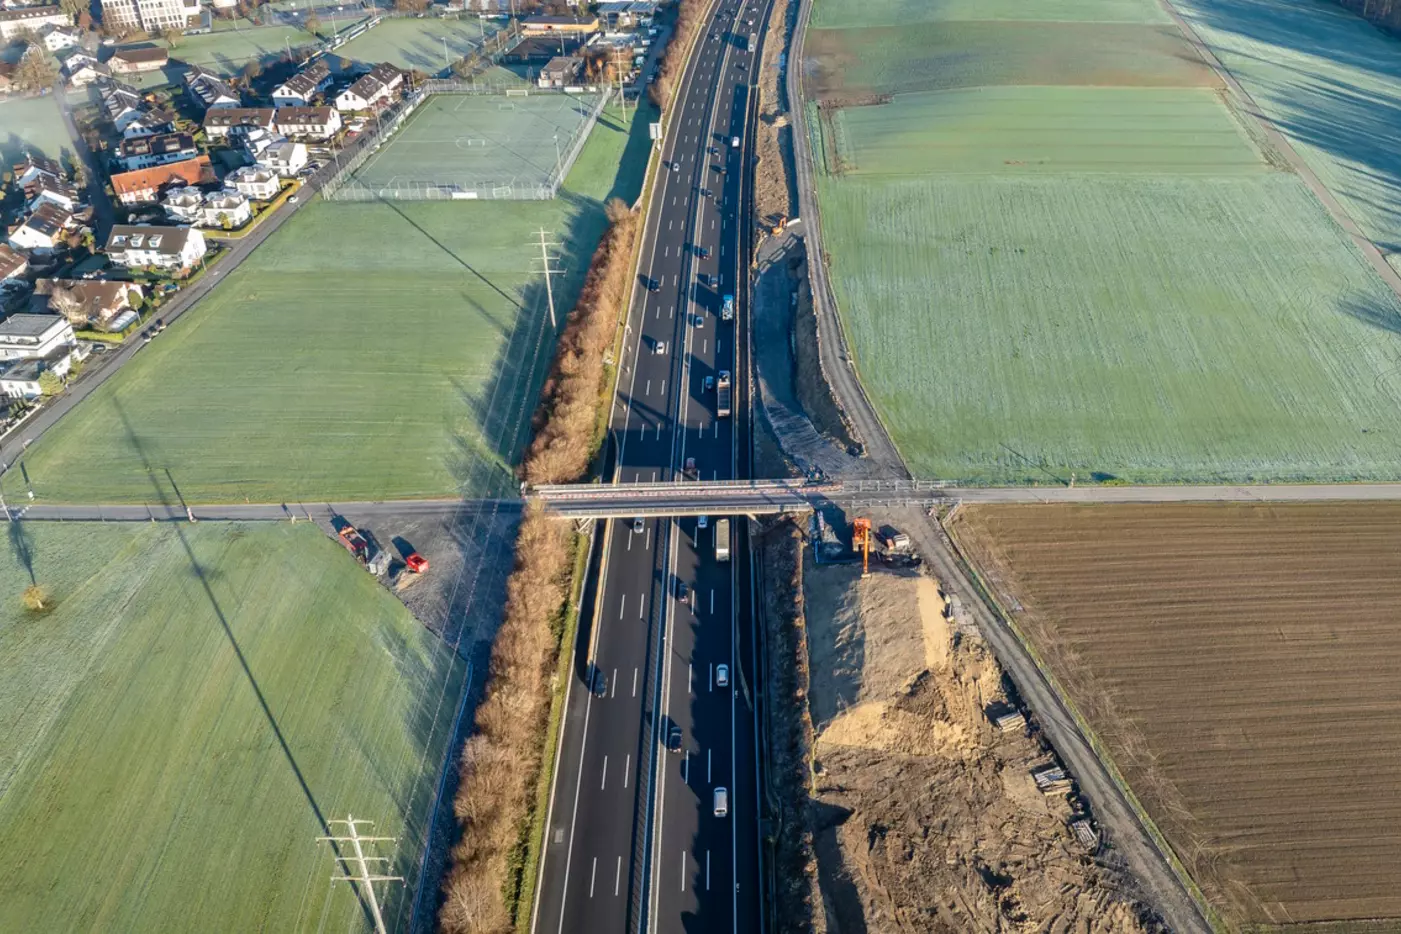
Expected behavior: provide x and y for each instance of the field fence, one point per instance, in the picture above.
(345, 186)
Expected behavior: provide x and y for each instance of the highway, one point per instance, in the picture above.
(633, 842)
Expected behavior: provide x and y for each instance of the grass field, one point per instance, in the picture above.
(34, 124)
(225, 52)
(480, 142)
(835, 14)
(366, 351)
(1331, 83)
(1111, 280)
(199, 698)
(1019, 130)
(418, 43)
(1238, 662)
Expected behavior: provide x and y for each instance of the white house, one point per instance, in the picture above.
(29, 170)
(376, 88)
(30, 18)
(315, 123)
(300, 89)
(42, 230)
(229, 206)
(152, 122)
(208, 91)
(223, 122)
(85, 301)
(172, 248)
(255, 182)
(57, 38)
(284, 157)
(85, 71)
(142, 152)
(184, 204)
(50, 190)
(30, 337)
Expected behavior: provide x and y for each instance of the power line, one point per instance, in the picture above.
(550, 272)
(360, 862)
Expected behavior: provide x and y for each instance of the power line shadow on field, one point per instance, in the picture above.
(448, 251)
(1040, 468)
(21, 546)
(204, 577)
(1384, 316)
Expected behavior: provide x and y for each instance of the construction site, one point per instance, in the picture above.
(917, 793)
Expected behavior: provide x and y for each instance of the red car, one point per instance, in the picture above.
(416, 563)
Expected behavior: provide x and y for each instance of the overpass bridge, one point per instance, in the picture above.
(728, 497)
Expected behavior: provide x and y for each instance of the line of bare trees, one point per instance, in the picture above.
(500, 763)
(688, 21)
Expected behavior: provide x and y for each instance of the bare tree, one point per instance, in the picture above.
(35, 598)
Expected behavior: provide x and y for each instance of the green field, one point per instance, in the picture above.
(836, 14)
(479, 141)
(1043, 279)
(174, 731)
(366, 351)
(34, 124)
(1019, 130)
(226, 51)
(418, 43)
(1331, 83)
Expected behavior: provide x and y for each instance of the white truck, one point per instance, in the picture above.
(722, 540)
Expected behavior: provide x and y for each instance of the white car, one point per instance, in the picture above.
(660, 348)
(722, 802)
(637, 525)
(702, 522)
(291, 199)
(722, 676)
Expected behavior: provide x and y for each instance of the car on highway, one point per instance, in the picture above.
(722, 676)
(708, 383)
(654, 285)
(637, 525)
(714, 150)
(698, 320)
(704, 252)
(722, 802)
(706, 193)
(734, 141)
(690, 467)
(702, 522)
(683, 593)
(673, 738)
(659, 348)
(600, 682)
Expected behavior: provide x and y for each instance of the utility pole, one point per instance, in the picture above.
(618, 58)
(360, 862)
(549, 272)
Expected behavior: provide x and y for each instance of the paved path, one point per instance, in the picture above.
(249, 512)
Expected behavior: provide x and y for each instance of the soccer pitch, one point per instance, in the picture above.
(366, 351)
(1058, 258)
(195, 705)
(479, 143)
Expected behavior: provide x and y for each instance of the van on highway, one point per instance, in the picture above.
(722, 802)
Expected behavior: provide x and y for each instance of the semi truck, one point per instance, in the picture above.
(722, 540)
(722, 395)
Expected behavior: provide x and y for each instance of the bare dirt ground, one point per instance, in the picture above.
(774, 195)
(924, 818)
(1239, 663)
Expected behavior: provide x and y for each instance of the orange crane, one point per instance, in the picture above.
(861, 541)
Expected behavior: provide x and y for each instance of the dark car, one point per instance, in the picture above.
(673, 738)
(160, 324)
(705, 252)
(654, 285)
(683, 593)
(600, 682)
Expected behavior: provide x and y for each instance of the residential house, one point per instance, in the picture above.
(140, 152)
(7, 77)
(42, 230)
(13, 264)
(373, 90)
(122, 104)
(194, 207)
(316, 123)
(138, 59)
(302, 88)
(30, 19)
(20, 379)
(231, 121)
(85, 302)
(170, 248)
(627, 14)
(33, 337)
(145, 185)
(32, 168)
(553, 25)
(284, 157)
(82, 70)
(562, 71)
(208, 91)
(151, 16)
(57, 38)
(153, 122)
(48, 189)
(255, 182)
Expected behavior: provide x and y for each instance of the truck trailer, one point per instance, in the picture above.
(722, 395)
(722, 540)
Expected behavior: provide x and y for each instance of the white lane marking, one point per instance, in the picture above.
(668, 227)
(634, 681)
(712, 676)
(671, 312)
(630, 538)
(613, 693)
(624, 601)
(659, 437)
(627, 767)
(617, 876)
(592, 874)
(686, 769)
(604, 783)
(707, 766)
(690, 680)
(712, 595)
(717, 428)
(648, 390)
(705, 346)
(641, 432)
(712, 227)
(707, 871)
(663, 387)
(666, 251)
(641, 605)
(647, 542)
(683, 870)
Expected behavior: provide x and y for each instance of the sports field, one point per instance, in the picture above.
(479, 143)
(1238, 664)
(366, 351)
(1059, 258)
(34, 124)
(196, 703)
(225, 52)
(419, 43)
(1331, 83)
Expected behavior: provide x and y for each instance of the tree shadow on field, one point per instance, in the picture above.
(22, 547)
(1384, 316)
(201, 575)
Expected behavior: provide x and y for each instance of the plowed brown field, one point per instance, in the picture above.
(1243, 666)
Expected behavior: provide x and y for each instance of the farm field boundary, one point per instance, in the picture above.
(1251, 718)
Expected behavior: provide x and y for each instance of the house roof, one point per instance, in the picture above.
(29, 12)
(12, 262)
(303, 115)
(209, 88)
(29, 326)
(31, 161)
(561, 21)
(239, 116)
(371, 84)
(563, 64)
(140, 55)
(169, 241)
(49, 219)
(94, 296)
(305, 81)
(158, 145)
(196, 171)
(152, 119)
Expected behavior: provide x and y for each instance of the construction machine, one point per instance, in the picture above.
(861, 541)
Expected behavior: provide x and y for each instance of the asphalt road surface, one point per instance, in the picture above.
(633, 840)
